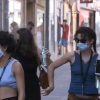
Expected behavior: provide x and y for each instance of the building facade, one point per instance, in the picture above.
(14, 14)
(55, 31)
(36, 13)
(70, 14)
(20, 12)
(4, 17)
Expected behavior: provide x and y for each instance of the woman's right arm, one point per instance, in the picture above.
(19, 74)
(66, 58)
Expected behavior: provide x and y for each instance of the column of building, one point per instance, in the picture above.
(1, 12)
(4, 15)
(23, 13)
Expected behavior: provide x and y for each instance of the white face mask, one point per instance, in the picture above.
(1, 53)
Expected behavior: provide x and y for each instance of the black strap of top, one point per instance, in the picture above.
(5, 67)
(84, 79)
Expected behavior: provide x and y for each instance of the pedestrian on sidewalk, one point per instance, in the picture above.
(11, 72)
(82, 61)
(27, 54)
(30, 25)
(64, 40)
(14, 28)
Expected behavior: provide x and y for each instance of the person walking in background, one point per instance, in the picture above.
(30, 25)
(82, 61)
(27, 54)
(11, 72)
(14, 28)
(64, 40)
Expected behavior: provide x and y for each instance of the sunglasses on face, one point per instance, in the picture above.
(81, 40)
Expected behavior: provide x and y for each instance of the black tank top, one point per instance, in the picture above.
(29, 65)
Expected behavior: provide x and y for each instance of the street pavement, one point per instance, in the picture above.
(62, 82)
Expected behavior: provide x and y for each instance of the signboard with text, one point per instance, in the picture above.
(86, 1)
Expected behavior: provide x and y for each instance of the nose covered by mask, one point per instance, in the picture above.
(82, 46)
(1, 53)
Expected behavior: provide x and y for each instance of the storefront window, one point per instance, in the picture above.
(14, 14)
(40, 28)
(86, 18)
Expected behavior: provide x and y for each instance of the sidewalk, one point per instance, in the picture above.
(62, 80)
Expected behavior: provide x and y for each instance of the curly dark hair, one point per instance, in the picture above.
(26, 43)
(87, 32)
(8, 40)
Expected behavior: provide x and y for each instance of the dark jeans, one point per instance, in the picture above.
(11, 98)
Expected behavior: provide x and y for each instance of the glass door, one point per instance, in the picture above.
(40, 28)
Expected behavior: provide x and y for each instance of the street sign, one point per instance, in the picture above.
(86, 1)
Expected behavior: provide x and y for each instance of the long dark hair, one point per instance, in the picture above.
(87, 32)
(26, 43)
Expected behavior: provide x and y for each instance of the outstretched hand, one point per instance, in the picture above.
(47, 91)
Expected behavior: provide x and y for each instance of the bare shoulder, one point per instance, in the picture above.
(69, 56)
(17, 67)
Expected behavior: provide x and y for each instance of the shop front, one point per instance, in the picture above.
(87, 18)
(40, 23)
(97, 26)
(55, 31)
(14, 14)
(40, 28)
(36, 14)
(90, 18)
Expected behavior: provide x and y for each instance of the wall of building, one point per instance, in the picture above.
(23, 13)
(70, 14)
(16, 15)
(36, 10)
(97, 26)
(4, 15)
(41, 2)
(55, 31)
(1, 14)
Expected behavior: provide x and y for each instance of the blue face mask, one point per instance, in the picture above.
(82, 46)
